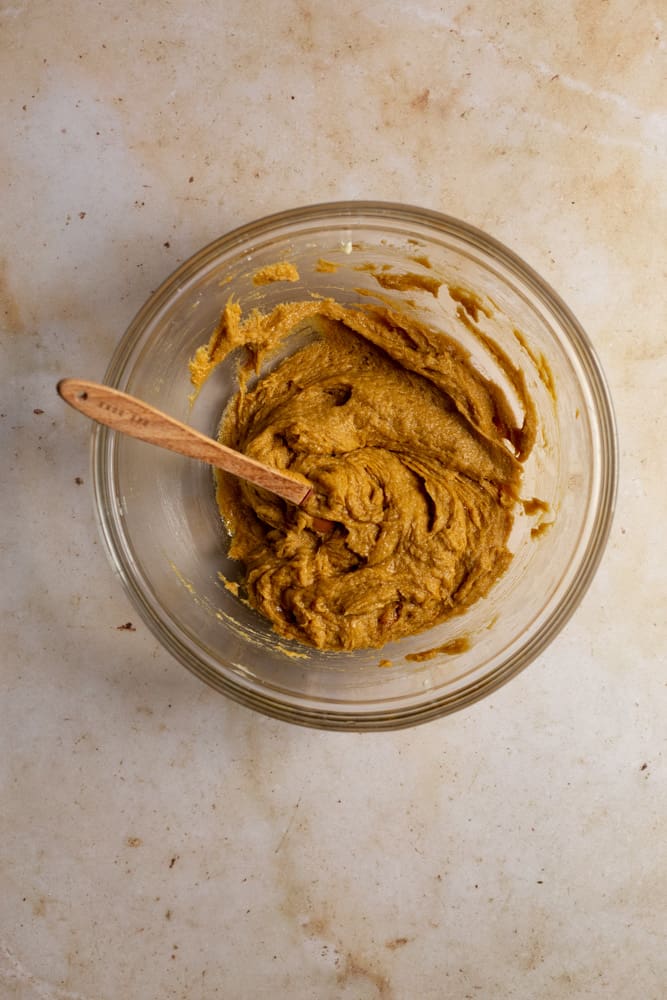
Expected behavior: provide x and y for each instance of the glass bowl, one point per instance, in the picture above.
(162, 528)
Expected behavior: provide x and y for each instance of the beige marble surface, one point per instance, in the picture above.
(158, 842)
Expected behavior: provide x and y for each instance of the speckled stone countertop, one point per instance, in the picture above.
(159, 842)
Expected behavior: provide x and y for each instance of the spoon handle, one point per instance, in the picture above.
(131, 416)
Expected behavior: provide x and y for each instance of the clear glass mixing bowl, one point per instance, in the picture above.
(161, 525)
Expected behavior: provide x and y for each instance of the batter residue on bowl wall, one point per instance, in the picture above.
(414, 454)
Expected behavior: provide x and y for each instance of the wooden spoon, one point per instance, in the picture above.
(131, 416)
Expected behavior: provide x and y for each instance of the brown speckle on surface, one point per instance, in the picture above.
(190, 180)
(168, 915)
(396, 943)
(173, 861)
(38, 411)
(354, 969)
(316, 927)
(166, 244)
(78, 480)
(134, 841)
(9, 306)
(643, 767)
(420, 102)
(127, 627)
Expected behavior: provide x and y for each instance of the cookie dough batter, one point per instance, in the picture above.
(414, 454)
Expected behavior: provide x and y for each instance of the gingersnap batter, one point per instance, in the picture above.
(413, 453)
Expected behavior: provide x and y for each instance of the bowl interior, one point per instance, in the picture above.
(158, 510)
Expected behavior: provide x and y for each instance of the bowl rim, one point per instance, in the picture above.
(103, 450)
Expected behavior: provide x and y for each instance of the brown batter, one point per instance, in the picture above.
(413, 453)
(282, 271)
